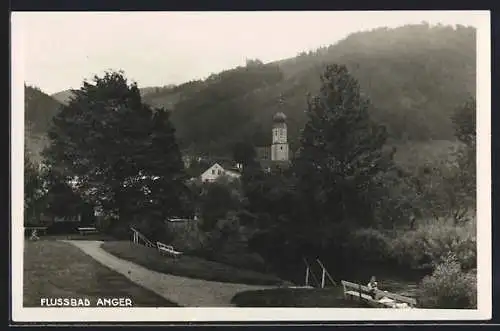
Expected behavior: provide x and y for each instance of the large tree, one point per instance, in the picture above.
(33, 189)
(163, 166)
(341, 161)
(120, 154)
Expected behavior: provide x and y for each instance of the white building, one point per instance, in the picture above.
(216, 171)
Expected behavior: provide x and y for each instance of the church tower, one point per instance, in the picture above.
(279, 148)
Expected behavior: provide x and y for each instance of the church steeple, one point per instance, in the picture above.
(279, 148)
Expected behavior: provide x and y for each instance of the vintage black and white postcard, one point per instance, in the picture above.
(246, 166)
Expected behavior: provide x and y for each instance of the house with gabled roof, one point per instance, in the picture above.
(216, 171)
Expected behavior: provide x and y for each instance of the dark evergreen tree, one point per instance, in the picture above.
(341, 159)
(164, 169)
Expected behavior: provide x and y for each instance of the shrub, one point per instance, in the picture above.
(449, 287)
(422, 248)
(425, 246)
(369, 245)
(228, 243)
(187, 236)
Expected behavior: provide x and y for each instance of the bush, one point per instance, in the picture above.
(369, 245)
(449, 287)
(422, 248)
(228, 243)
(187, 236)
(217, 200)
(425, 246)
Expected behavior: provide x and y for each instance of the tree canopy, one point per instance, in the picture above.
(119, 153)
(341, 157)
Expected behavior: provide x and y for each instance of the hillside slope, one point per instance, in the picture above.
(64, 96)
(39, 109)
(415, 76)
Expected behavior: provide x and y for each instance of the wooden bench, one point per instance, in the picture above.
(38, 229)
(385, 299)
(87, 230)
(167, 249)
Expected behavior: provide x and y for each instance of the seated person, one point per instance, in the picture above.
(373, 287)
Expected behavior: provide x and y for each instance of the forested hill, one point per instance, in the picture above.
(39, 108)
(415, 76)
(64, 96)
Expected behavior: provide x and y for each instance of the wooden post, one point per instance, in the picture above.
(323, 278)
(307, 275)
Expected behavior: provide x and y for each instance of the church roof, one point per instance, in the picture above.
(279, 117)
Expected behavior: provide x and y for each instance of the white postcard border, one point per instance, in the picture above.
(21, 314)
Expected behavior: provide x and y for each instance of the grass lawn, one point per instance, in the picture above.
(57, 269)
(295, 297)
(187, 266)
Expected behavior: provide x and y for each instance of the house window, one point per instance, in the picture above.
(281, 147)
(213, 171)
(219, 172)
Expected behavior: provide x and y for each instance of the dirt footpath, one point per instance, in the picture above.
(184, 291)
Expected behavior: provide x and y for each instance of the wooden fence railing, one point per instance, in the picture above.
(310, 275)
(137, 237)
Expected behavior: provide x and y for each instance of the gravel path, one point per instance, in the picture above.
(184, 291)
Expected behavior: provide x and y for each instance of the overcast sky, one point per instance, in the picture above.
(160, 48)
